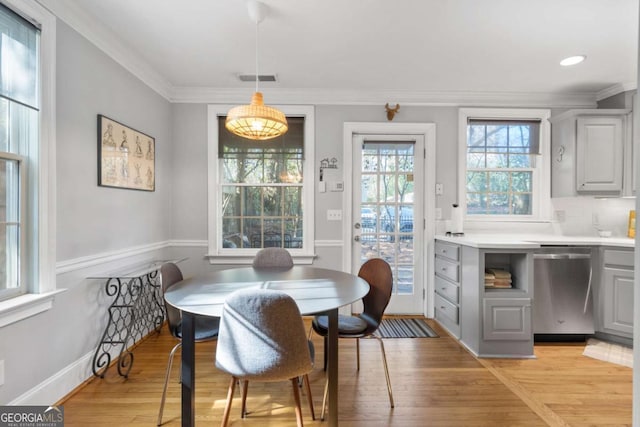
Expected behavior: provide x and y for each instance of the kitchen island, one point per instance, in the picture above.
(496, 321)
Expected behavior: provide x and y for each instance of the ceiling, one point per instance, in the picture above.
(405, 50)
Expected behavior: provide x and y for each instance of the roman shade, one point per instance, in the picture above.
(290, 144)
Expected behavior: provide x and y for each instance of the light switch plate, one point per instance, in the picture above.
(334, 215)
(439, 189)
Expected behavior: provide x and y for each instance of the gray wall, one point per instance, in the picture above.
(91, 219)
(190, 163)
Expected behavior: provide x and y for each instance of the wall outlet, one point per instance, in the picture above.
(1, 372)
(560, 216)
(439, 189)
(334, 215)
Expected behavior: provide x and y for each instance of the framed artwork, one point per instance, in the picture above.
(126, 157)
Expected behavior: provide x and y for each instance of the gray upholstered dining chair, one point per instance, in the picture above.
(262, 338)
(206, 328)
(273, 257)
(377, 273)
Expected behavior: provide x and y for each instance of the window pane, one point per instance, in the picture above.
(252, 201)
(293, 201)
(232, 238)
(9, 256)
(499, 181)
(272, 202)
(231, 201)
(369, 162)
(521, 182)
(388, 188)
(369, 192)
(498, 204)
(476, 181)
(520, 161)
(18, 58)
(497, 136)
(476, 160)
(4, 129)
(252, 228)
(519, 139)
(522, 204)
(475, 137)
(497, 161)
(476, 204)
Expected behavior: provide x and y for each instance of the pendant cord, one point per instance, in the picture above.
(257, 74)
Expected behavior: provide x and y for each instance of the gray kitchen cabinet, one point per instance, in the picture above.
(599, 146)
(447, 286)
(615, 296)
(588, 150)
(489, 322)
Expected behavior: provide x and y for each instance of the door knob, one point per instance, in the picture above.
(357, 226)
(356, 238)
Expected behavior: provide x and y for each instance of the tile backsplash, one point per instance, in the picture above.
(584, 216)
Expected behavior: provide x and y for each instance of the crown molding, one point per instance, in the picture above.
(406, 98)
(94, 31)
(615, 89)
(103, 38)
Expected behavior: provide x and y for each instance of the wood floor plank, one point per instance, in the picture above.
(435, 382)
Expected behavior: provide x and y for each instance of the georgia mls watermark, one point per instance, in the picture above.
(31, 416)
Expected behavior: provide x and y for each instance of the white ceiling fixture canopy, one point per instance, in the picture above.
(256, 121)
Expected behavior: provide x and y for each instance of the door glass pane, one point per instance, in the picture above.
(387, 209)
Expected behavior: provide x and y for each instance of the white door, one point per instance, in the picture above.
(388, 212)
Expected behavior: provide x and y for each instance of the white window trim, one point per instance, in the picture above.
(542, 176)
(41, 292)
(219, 255)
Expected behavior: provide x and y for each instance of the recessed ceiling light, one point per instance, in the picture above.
(572, 60)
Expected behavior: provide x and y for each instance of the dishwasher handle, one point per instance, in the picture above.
(562, 256)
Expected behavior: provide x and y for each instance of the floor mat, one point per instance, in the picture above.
(608, 352)
(405, 328)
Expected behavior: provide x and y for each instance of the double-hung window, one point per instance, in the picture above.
(19, 71)
(27, 160)
(504, 164)
(263, 191)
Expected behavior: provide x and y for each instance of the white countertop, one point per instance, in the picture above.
(532, 241)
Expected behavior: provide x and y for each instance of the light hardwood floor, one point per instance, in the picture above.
(435, 382)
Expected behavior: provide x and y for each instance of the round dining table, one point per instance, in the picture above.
(315, 291)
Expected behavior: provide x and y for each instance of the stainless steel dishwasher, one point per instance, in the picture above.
(562, 297)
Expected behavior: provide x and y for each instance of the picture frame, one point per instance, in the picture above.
(126, 157)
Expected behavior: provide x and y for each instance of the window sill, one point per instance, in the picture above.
(19, 308)
(247, 259)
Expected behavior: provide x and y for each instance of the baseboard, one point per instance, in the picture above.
(61, 383)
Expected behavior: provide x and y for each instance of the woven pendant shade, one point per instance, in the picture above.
(256, 120)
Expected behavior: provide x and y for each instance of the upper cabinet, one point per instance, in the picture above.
(589, 152)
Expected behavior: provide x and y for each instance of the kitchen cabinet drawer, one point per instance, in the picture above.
(614, 257)
(446, 269)
(447, 289)
(447, 309)
(448, 251)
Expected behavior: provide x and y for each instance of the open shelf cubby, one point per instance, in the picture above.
(513, 263)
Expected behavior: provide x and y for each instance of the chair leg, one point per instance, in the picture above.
(324, 399)
(358, 353)
(166, 381)
(227, 408)
(305, 380)
(386, 370)
(296, 397)
(325, 352)
(245, 387)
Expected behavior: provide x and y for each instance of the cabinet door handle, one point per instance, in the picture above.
(444, 268)
(442, 307)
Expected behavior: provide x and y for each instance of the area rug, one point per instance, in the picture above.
(608, 352)
(405, 328)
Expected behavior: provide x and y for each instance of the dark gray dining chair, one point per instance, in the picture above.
(273, 257)
(206, 328)
(262, 338)
(377, 273)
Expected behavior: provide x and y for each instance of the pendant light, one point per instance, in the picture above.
(256, 121)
